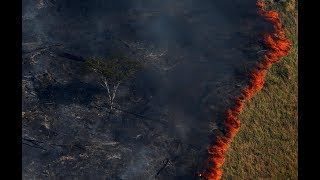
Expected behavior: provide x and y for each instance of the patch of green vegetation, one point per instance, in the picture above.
(266, 146)
(115, 68)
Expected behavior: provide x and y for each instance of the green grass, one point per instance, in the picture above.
(266, 146)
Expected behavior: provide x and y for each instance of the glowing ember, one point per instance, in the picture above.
(278, 47)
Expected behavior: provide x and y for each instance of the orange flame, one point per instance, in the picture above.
(278, 47)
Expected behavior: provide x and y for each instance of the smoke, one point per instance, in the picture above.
(278, 47)
(140, 165)
(30, 12)
(204, 46)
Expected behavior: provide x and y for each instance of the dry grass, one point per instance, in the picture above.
(266, 147)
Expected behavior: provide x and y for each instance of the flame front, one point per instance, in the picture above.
(278, 47)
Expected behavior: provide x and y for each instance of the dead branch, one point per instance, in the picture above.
(38, 147)
(34, 142)
(41, 48)
(70, 56)
(166, 161)
(124, 42)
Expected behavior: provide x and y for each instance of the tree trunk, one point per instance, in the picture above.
(111, 94)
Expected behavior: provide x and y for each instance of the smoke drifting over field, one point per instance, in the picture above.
(196, 56)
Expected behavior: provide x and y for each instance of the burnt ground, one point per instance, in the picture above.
(196, 57)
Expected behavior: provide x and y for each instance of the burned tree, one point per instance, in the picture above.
(113, 71)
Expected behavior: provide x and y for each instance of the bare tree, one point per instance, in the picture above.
(113, 71)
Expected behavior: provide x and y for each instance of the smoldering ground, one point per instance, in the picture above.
(195, 55)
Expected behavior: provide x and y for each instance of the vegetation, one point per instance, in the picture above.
(266, 146)
(112, 72)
